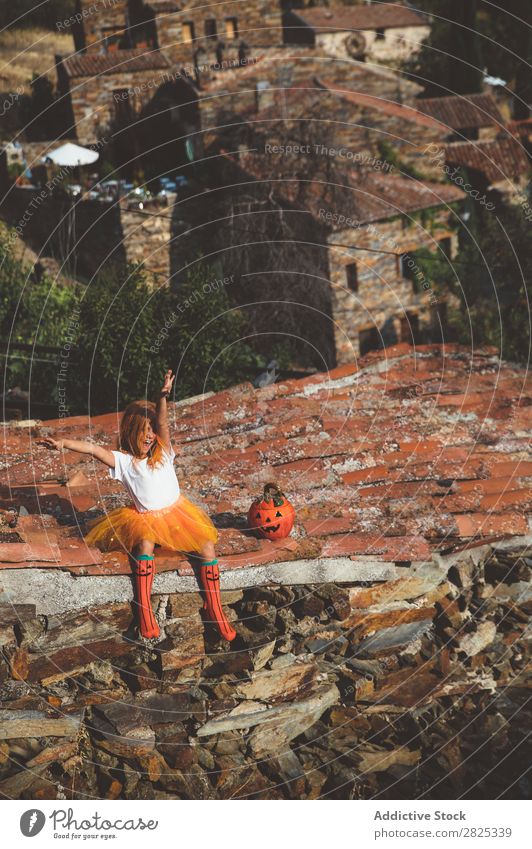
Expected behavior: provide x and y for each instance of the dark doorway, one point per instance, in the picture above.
(410, 328)
(369, 340)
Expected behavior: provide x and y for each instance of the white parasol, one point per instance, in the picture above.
(72, 155)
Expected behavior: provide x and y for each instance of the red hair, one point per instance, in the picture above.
(133, 425)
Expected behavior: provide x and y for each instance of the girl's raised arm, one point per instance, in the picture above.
(96, 451)
(161, 412)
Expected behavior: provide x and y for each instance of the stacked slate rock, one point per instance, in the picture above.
(404, 688)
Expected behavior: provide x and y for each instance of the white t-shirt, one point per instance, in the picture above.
(151, 488)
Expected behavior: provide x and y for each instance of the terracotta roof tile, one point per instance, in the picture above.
(381, 16)
(381, 104)
(115, 62)
(497, 160)
(364, 195)
(459, 112)
(373, 474)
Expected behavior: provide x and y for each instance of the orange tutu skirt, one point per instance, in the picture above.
(180, 527)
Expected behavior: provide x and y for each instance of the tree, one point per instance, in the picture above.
(507, 48)
(450, 61)
(33, 313)
(491, 281)
(120, 315)
(130, 332)
(204, 342)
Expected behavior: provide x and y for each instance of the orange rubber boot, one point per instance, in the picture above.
(144, 571)
(210, 582)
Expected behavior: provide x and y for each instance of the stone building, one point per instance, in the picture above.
(285, 77)
(190, 32)
(501, 167)
(466, 116)
(110, 88)
(379, 33)
(380, 294)
(370, 222)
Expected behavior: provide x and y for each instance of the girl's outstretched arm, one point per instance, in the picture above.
(161, 412)
(96, 451)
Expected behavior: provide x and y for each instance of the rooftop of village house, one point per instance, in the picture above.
(463, 111)
(498, 159)
(401, 455)
(115, 62)
(383, 16)
(363, 194)
(454, 113)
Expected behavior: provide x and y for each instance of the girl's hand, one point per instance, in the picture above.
(168, 383)
(53, 444)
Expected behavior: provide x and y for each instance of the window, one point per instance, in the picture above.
(369, 340)
(111, 38)
(231, 28)
(210, 28)
(351, 276)
(188, 31)
(380, 34)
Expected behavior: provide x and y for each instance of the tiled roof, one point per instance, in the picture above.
(363, 194)
(388, 107)
(497, 160)
(115, 62)
(463, 112)
(272, 61)
(389, 195)
(381, 16)
(407, 452)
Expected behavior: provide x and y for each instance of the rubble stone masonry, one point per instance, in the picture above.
(97, 100)
(384, 297)
(396, 44)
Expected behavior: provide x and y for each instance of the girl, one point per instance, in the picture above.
(159, 515)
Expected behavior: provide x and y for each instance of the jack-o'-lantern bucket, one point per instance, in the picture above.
(272, 515)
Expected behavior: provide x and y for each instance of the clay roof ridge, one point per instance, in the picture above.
(494, 157)
(116, 62)
(341, 18)
(409, 113)
(458, 111)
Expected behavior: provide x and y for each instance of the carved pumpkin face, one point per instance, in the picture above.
(272, 515)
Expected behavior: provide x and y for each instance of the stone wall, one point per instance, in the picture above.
(262, 85)
(147, 237)
(98, 15)
(89, 234)
(84, 235)
(384, 298)
(398, 44)
(257, 24)
(96, 101)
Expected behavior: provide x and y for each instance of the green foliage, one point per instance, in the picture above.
(32, 313)
(490, 280)
(389, 154)
(122, 333)
(450, 61)
(120, 314)
(204, 344)
(507, 48)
